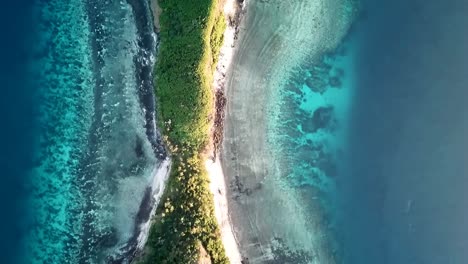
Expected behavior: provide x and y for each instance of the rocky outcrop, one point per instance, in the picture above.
(218, 126)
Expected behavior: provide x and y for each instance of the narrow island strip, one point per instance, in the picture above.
(185, 228)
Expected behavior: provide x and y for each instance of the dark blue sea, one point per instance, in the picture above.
(18, 124)
(404, 194)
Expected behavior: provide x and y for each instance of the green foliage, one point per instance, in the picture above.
(217, 37)
(191, 34)
(185, 217)
(191, 37)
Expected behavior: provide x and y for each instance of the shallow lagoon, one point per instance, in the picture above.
(351, 152)
(288, 97)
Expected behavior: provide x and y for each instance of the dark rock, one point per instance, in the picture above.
(109, 239)
(323, 117)
(293, 87)
(220, 105)
(335, 82)
(316, 84)
(139, 147)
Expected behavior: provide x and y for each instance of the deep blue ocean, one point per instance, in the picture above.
(404, 195)
(401, 200)
(18, 124)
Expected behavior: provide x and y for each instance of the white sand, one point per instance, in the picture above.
(218, 189)
(227, 50)
(215, 172)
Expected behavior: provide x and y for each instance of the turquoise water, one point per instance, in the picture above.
(308, 137)
(312, 120)
(289, 94)
(345, 139)
(97, 148)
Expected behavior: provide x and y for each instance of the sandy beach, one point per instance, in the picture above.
(231, 10)
(275, 38)
(218, 189)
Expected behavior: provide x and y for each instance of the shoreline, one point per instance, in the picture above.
(232, 10)
(218, 190)
(158, 186)
(160, 174)
(187, 205)
(135, 248)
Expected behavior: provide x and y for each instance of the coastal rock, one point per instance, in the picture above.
(220, 105)
(335, 82)
(316, 84)
(323, 117)
(295, 88)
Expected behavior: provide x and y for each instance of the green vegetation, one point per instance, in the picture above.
(191, 37)
(184, 72)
